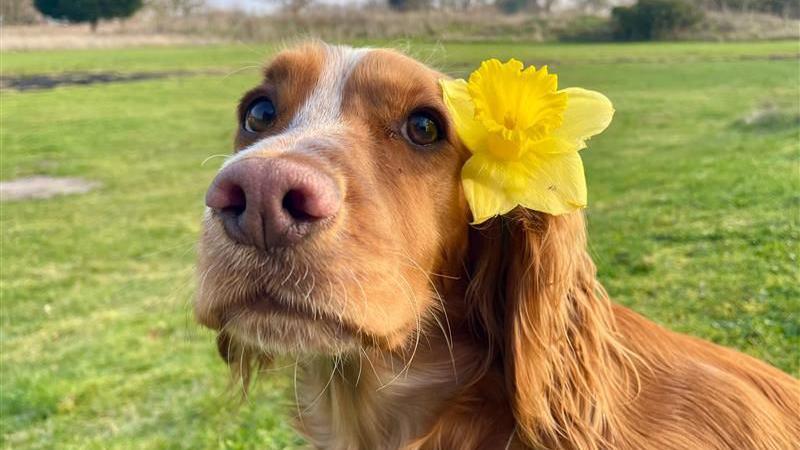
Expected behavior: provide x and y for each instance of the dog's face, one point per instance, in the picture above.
(341, 203)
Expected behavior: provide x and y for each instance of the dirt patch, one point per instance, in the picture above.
(49, 81)
(769, 116)
(40, 187)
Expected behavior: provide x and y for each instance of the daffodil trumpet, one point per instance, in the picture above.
(524, 135)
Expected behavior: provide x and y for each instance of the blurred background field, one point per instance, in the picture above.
(171, 22)
(694, 209)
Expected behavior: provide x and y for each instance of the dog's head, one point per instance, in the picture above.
(340, 224)
(342, 199)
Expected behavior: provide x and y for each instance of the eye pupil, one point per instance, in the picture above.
(422, 129)
(260, 115)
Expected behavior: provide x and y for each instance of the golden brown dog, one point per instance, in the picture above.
(339, 233)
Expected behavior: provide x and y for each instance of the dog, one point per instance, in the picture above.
(338, 234)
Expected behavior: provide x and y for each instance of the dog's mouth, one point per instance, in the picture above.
(272, 307)
(286, 323)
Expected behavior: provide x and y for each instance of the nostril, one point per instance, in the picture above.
(226, 197)
(295, 202)
(237, 201)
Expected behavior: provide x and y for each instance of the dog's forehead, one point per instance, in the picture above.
(393, 82)
(324, 102)
(321, 77)
(318, 85)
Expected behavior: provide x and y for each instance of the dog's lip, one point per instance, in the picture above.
(268, 305)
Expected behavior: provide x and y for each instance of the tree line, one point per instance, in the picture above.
(93, 11)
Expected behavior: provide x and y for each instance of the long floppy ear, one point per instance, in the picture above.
(534, 294)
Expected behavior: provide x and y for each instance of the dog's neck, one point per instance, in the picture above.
(373, 400)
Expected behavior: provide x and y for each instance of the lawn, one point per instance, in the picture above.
(694, 221)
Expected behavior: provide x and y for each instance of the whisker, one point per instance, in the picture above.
(241, 69)
(241, 371)
(291, 271)
(407, 366)
(360, 363)
(369, 361)
(448, 335)
(311, 289)
(364, 296)
(296, 395)
(324, 389)
(300, 280)
(212, 157)
(449, 344)
(261, 345)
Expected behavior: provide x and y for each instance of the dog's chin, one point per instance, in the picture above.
(278, 328)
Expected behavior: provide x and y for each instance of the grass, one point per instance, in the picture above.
(238, 57)
(694, 221)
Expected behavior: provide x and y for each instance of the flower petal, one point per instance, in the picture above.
(520, 103)
(555, 182)
(494, 89)
(490, 187)
(588, 113)
(551, 145)
(462, 111)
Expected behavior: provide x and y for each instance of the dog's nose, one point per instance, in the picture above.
(272, 202)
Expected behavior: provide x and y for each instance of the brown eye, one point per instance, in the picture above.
(422, 129)
(260, 115)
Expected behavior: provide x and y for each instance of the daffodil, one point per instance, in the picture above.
(524, 135)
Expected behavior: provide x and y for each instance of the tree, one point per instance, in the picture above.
(91, 11)
(514, 6)
(409, 5)
(654, 19)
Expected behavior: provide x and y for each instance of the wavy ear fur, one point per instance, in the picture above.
(534, 296)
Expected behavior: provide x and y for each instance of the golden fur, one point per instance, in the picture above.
(413, 330)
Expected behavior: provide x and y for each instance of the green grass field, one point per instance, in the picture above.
(694, 221)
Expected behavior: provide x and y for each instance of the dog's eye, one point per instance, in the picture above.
(421, 129)
(260, 115)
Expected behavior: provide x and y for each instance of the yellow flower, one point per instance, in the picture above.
(524, 135)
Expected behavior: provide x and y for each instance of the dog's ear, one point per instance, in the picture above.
(534, 295)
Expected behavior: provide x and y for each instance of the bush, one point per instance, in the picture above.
(409, 5)
(512, 6)
(585, 29)
(87, 10)
(784, 8)
(654, 19)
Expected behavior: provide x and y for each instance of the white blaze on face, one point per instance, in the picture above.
(323, 106)
(319, 120)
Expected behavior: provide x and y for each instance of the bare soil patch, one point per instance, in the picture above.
(41, 187)
(49, 81)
